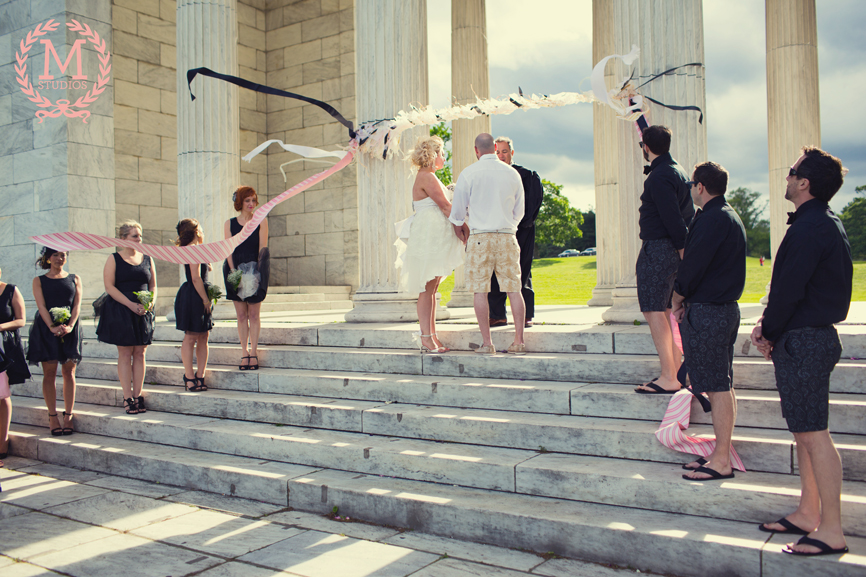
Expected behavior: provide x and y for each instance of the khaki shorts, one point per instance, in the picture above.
(491, 252)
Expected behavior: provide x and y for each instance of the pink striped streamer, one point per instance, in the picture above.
(676, 420)
(194, 254)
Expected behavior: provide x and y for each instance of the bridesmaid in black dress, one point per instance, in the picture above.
(52, 344)
(14, 369)
(192, 310)
(123, 320)
(253, 250)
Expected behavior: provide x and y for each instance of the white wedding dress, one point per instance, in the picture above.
(432, 250)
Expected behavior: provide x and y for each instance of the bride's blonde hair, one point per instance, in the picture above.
(426, 150)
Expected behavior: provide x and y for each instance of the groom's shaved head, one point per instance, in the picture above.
(484, 143)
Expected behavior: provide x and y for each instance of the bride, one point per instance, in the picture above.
(433, 251)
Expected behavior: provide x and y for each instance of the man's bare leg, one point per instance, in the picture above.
(482, 309)
(518, 314)
(724, 417)
(660, 329)
(808, 513)
(825, 468)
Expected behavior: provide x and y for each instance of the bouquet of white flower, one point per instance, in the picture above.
(145, 298)
(214, 293)
(60, 315)
(234, 278)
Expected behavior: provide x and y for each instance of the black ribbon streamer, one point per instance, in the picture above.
(190, 74)
(671, 107)
(668, 71)
(700, 118)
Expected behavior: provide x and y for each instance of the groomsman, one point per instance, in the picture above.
(710, 280)
(810, 291)
(533, 196)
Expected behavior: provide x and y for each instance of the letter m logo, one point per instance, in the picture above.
(50, 51)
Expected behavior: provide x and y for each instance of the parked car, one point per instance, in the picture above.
(589, 252)
(569, 252)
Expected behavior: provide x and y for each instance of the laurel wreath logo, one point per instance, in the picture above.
(62, 106)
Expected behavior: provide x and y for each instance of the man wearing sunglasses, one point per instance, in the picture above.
(709, 282)
(810, 291)
(666, 210)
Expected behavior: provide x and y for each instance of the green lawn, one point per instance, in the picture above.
(569, 281)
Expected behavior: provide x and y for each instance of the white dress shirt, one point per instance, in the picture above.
(492, 193)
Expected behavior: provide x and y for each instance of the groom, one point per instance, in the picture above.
(491, 192)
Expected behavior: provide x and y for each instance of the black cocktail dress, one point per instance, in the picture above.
(17, 370)
(117, 324)
(43, 345)
(189, 312)
(248, 251)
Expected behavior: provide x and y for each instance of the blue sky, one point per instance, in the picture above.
(548, 48)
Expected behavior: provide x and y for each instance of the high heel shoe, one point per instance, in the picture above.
(424, 348)
(443, 348)
(55, 432)
(131, 406)
(141, 406)
(245, 367)
(68, 430)
(254, 367)
(201, 386)
(195, 387)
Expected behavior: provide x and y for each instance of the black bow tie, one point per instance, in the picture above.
(647, 169)
(792, 216)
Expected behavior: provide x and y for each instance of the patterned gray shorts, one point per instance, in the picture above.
(709, 333)
(656, 271)
(803, 359)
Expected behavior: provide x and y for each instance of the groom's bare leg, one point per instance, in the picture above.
(482, 309)
(518, 313)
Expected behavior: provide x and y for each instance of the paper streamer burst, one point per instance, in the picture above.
(676, 420)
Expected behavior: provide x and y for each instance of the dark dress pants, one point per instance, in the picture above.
(496, 298)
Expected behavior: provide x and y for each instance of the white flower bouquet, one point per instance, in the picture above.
(60, 315)
(145, 298)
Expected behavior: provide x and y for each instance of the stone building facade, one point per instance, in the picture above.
(63, 174)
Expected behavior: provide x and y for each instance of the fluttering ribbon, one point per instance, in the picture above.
(193, 254)
(676, 421)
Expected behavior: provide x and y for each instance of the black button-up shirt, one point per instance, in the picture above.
(533, 195)
(713, 269)
(812, 275)
(666, 206)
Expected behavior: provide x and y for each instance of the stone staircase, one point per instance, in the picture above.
(549, 452)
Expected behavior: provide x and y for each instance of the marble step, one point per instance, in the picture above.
(755, 408)
(765, 450)
(595, 532)
(752, 497)
(848, 377)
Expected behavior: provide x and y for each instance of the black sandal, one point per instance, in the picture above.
(253, 367)
(141, 407)
(68, 430)
(194, 387)
(55, 432)
(131, 406)
(202, 386)
(244, 367)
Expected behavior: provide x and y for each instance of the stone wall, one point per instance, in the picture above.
(311, 51)
(57, 174)
(145, 125)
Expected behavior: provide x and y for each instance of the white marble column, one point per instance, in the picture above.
(391, 56)
(793, 112)
(669, 33)
(469, 78)
(208, 167)
(606, 163)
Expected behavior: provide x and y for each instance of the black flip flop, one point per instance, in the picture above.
(656, 390)
(714, 475)
(790, 528)
(824, 548)
(700, 461)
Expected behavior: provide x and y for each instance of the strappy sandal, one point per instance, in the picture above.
(68, 430)
(55, 432)
(245, 367)
(253, 367)
(141, 407)
(131, 406)
(201, 386)
(443, 348)
(195, 387)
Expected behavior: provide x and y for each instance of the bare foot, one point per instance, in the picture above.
(429, 343)
(439, 345)
(804, 522)
(834, 539)
(699, 462)
(666, 384)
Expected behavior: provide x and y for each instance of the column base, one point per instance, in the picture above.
(625, 307)
(602, 296)
(461, 299)
(389, 308)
